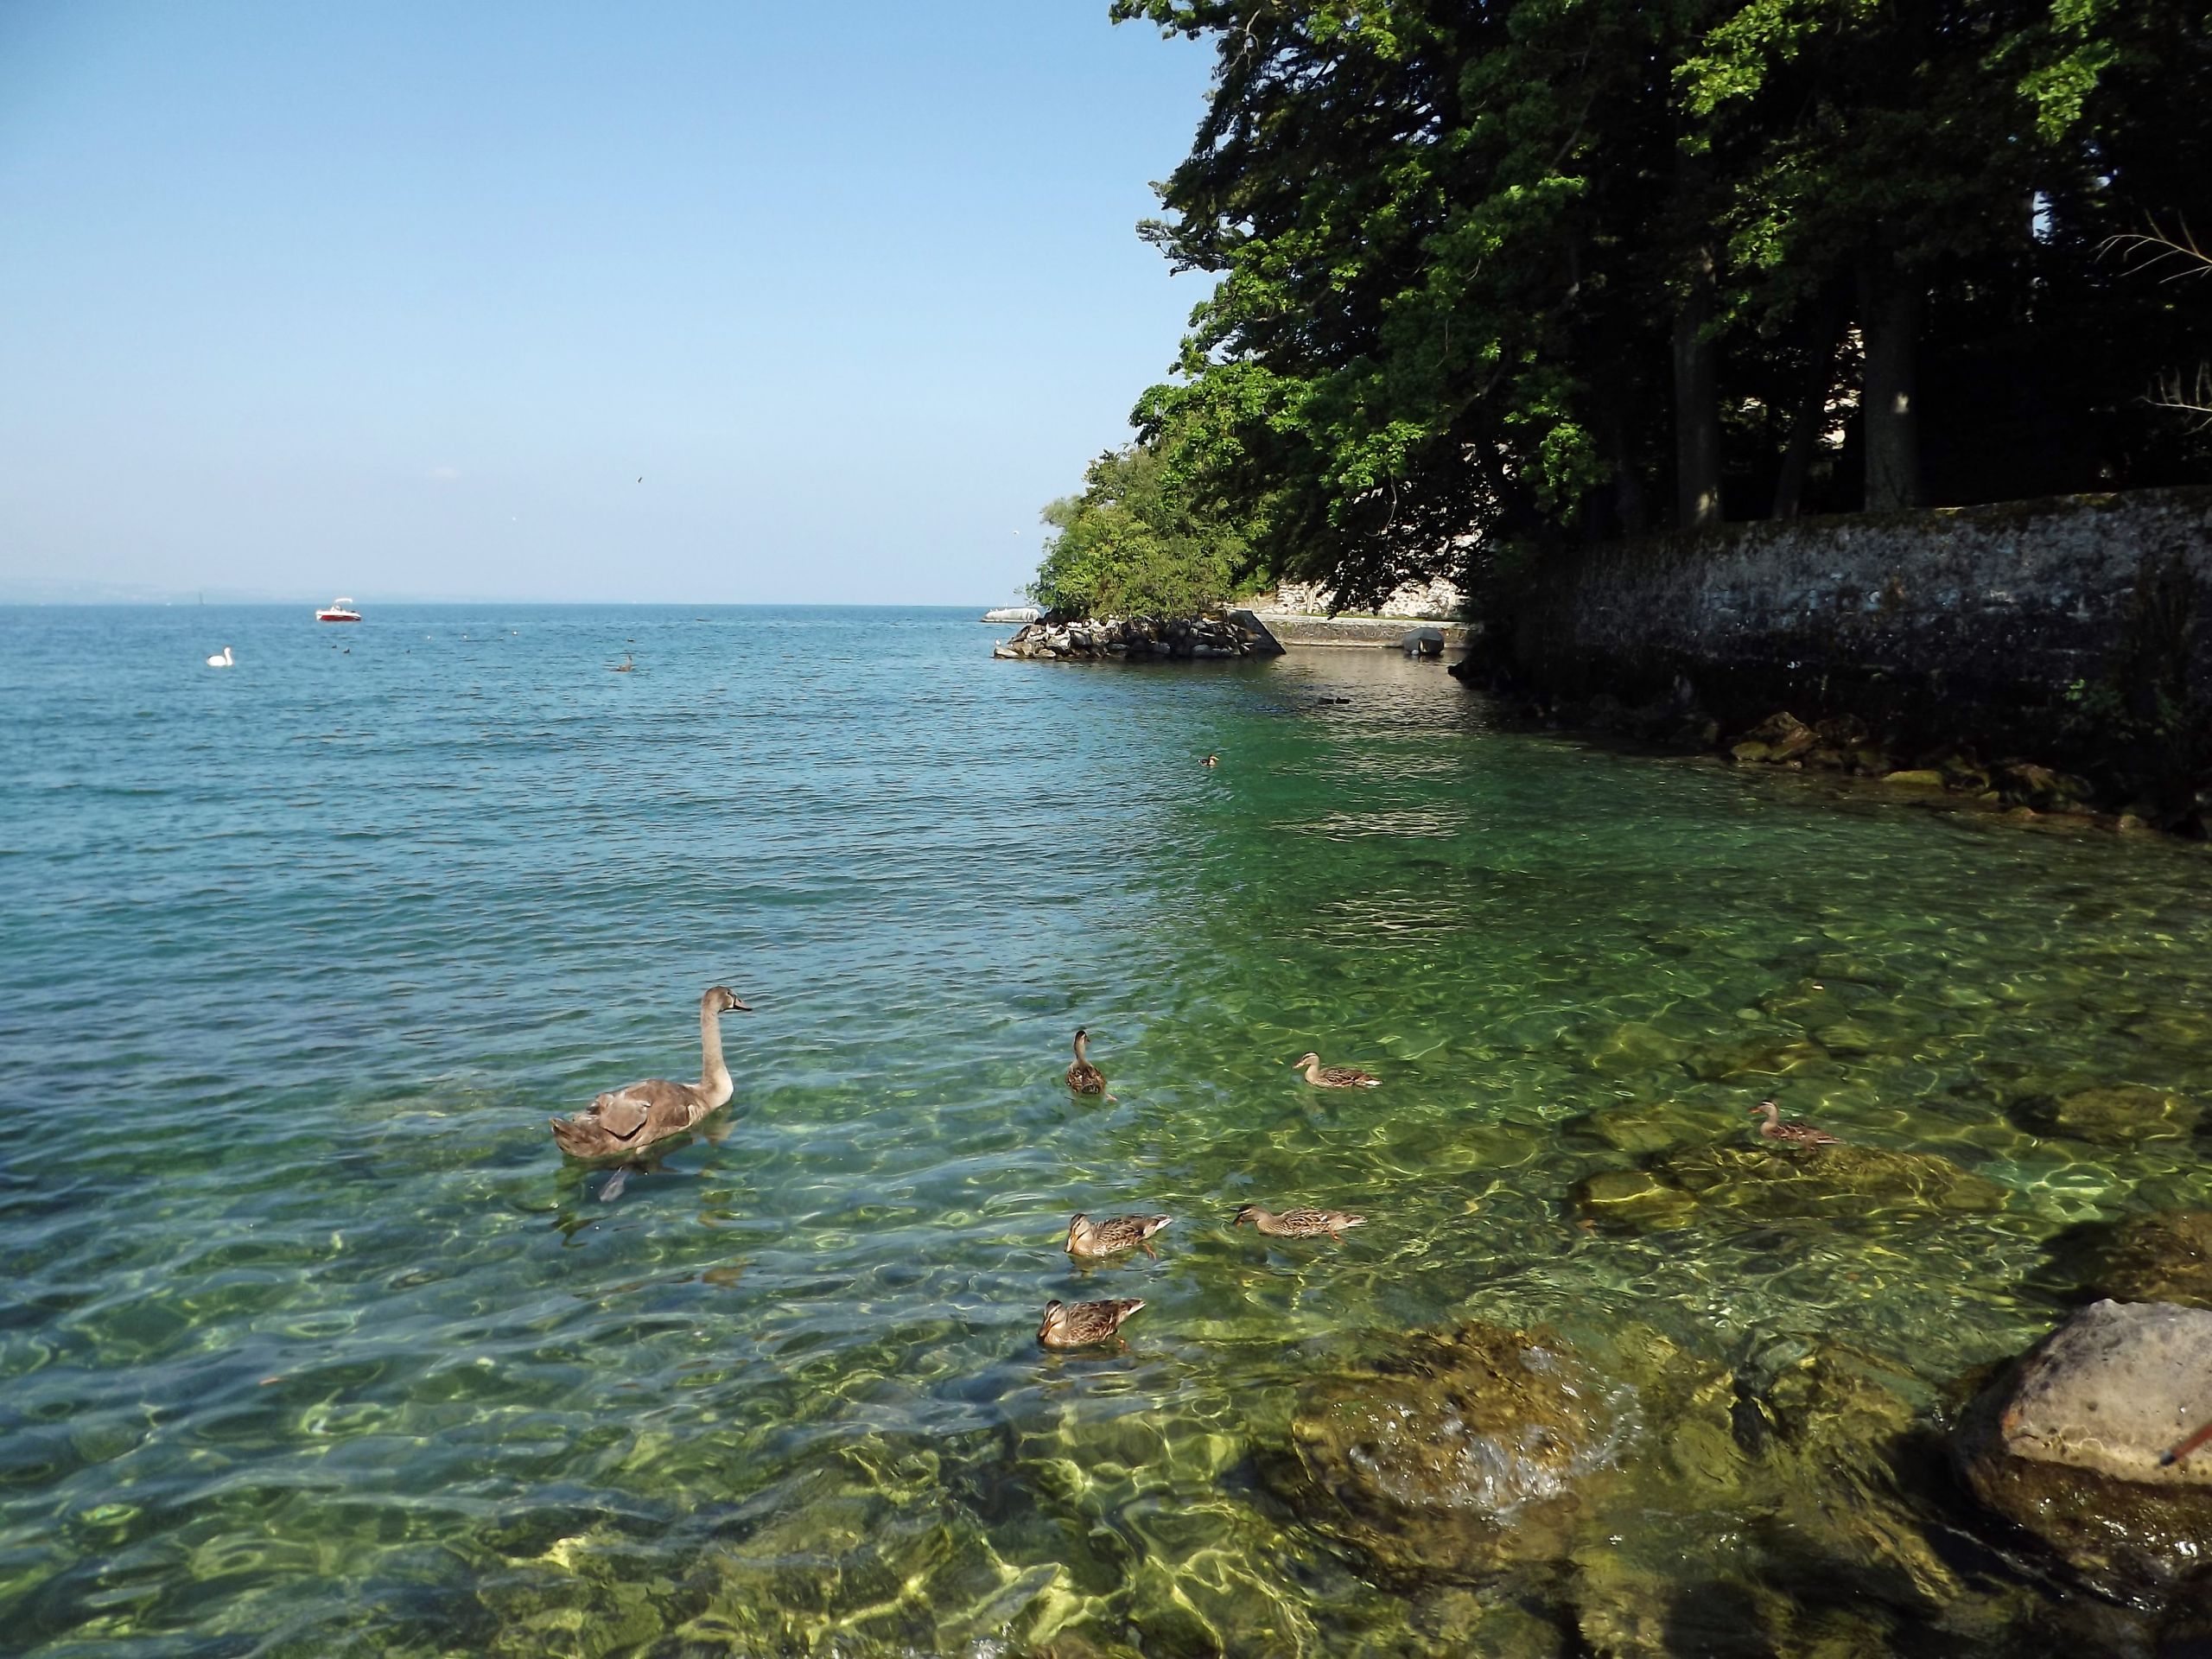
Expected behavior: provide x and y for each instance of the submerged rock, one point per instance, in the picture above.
(1461, 1453)
(2111, 1115)
(1641, 1127)
(2165, 1257)
(1834, 1182)
(1636, 1047)
(1764, 1057)
(2067, 1444)
(1632, 1200)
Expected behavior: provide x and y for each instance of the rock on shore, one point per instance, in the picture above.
(2067, 1444)
(1220, 635)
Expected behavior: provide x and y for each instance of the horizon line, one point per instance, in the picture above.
(666, 604)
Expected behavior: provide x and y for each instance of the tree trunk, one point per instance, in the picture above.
(1828, 319)
(1890, 303)
(1697, 403)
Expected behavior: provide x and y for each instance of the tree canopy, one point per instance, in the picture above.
(1553, 268)
(1132, 544)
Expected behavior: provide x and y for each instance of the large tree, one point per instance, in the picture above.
(1527, 267)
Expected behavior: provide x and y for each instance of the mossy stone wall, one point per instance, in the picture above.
(2006, 627)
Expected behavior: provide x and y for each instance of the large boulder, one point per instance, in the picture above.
(1454, 1456)
(2070, 1444)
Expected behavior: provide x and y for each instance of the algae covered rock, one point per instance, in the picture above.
(1632, 1200)
(2111, 1115)
(1635, 1047)
(2165, 1257)
(1833, 1183)
(1455, 1454)
(1641, 1127)
(861, 1552)
(1762, 1058)
(2069, 1443)
(1783, 734)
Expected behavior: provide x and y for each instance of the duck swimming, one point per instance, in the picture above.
(1084, 1324)
(635, 1116)
(1090, 1240)
(1791, 1132)
(1335, 1077)
(1083, 1077)
(1298, 1223)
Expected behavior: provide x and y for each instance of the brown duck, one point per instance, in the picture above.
(1299, 1224)
(1089, 1239)
(1335, 1077)
(1083, 1077)
(627, 1119)
(1790, 1133)
(1084, 1324)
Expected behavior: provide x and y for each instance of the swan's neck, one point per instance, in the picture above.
(714, 1075)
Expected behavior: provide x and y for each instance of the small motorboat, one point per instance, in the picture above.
(339, 610)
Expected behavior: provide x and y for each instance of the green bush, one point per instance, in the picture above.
(1130, 546)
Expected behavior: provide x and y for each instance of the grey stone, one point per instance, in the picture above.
(2069, 1444)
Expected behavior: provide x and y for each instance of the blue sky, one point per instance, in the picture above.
(402, 300)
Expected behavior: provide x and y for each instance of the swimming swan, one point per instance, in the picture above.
(652, 1110)
(224, 661)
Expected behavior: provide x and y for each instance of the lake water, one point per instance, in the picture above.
(311, 1343)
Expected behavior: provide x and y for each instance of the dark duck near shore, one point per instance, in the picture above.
(624, 1120)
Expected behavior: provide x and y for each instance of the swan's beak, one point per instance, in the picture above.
(741, 1007)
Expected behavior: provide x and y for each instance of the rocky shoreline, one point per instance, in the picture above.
(1844, 746)
(1218, 636)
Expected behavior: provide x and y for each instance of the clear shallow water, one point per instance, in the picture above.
(313, 1345)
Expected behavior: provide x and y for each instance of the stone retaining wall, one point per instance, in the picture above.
(1434, 601)
(2065, 630)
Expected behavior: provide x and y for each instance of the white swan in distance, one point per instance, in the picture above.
(224, 661)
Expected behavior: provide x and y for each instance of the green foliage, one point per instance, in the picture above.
(1132, 544)
(1453, 239)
